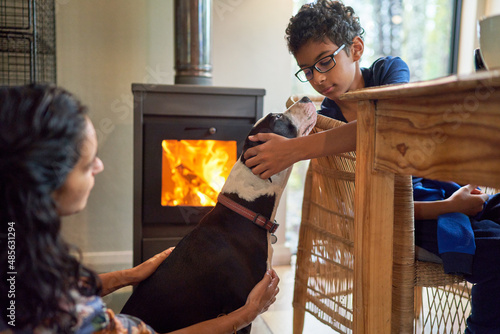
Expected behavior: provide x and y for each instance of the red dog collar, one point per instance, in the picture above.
(256, 218)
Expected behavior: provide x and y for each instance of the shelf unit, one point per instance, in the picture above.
(27, 42)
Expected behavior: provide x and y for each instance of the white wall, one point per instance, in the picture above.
(101, 48)
(104, 46)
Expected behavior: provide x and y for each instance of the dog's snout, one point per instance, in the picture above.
(305, 99)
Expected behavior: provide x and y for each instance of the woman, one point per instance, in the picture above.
(48, 161)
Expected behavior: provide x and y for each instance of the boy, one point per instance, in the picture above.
(326, 40)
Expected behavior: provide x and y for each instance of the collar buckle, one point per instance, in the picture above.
(274, 226)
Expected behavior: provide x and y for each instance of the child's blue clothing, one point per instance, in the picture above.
(469, 245)
(454, 236)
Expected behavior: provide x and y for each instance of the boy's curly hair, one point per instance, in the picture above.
(322, 20)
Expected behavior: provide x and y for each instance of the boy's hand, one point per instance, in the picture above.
(272, 156)
(468, 200)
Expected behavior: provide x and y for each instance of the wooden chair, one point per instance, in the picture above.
(325, 257)
(324, 267)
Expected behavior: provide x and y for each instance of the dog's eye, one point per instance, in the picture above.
(278, 116)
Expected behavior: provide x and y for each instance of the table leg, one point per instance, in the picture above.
(373, 232)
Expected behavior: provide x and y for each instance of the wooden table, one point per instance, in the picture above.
(445, 129)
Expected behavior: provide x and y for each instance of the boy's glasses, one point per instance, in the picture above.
(323, 65)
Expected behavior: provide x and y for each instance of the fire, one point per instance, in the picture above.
(194, 171)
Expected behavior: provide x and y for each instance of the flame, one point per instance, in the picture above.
(194, 171)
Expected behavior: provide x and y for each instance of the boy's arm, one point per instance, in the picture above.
(278, 153)
(467, 200)
(431, 210)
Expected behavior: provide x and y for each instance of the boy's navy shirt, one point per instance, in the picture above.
(384, 71)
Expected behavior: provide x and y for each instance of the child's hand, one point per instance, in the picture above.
(468, 200)
(274, 155)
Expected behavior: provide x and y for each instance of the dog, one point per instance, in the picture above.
(213, 268)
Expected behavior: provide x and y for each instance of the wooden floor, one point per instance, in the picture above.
(279, 318)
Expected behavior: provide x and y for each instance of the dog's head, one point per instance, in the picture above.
(296, 121)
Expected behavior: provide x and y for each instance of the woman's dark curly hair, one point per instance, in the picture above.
(322, 20)
(41, 132)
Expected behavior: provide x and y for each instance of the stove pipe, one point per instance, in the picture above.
(193, 42)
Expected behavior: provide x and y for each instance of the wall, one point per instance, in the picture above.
(105, 46)
(102, 48)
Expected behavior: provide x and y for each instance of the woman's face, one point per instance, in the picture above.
(72, 196)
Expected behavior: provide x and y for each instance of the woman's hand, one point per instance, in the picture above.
(264, 293)
(258, 301)
(274, 155)
(144, 270)
(118, 279)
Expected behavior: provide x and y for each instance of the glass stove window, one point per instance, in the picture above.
(194, 171)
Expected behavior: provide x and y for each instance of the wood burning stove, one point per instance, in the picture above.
(186, 139)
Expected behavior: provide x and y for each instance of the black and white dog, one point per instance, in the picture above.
(214, 268)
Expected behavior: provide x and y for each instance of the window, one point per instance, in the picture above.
(421, 32)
